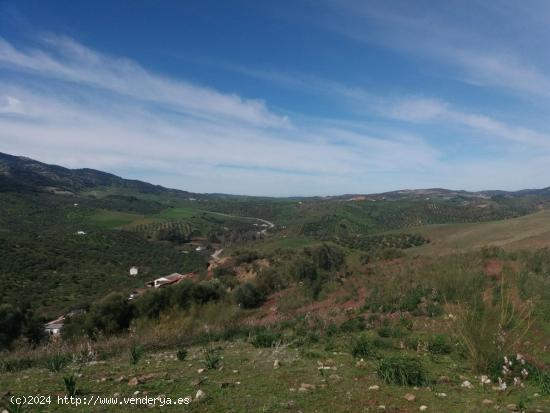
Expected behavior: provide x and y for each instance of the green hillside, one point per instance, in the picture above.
(387, 300)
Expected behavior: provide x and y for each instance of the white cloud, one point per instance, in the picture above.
(77, 107)
(495, 45)
(9, 104)
(106, 115)
(432, 110)
(69, 61)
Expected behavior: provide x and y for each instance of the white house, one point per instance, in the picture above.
(170, 279)
(53, 328)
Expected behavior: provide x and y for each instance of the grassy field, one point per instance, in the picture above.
(310, 379)
(526, 232)
(114, 219)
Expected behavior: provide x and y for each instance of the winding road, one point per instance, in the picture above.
(265, 221)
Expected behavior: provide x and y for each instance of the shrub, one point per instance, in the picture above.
(439, 345)
(403, 371)
(56, 362)
(70, 385)
(16, 364)
(412, 298)
(326, 257)
(406, 323)
(353, 324)
(110, 315)
(136, 353)
(266, 338)
(212, 357)
(249, 296)
(331, 330)
(489, 331)
(362, 347)
(434, 309)
(152, 303)
(543, 379)
(181, 354)
(205, 292)
(269, 280)
(13, 407)
(246, 256)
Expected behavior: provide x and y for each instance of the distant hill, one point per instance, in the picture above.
(18, 173)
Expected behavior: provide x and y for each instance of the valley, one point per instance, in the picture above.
(272, 304)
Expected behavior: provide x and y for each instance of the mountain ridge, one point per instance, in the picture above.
(24, 173)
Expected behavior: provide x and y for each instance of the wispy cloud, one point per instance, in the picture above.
(472, 41)
(77, 107)
(64, 59)
(64, 103)
(432, 110)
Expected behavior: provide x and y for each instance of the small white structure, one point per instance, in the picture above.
(134, 271)
(53, 328)
(80, 233)
(200, 248)
(167, 280)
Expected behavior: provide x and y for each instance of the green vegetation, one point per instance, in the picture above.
(403, 371)
(181, 354)
(344, 304)
(136, 353)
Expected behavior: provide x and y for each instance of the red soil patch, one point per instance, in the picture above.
(270, 314)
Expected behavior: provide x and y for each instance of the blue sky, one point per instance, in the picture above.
(284, 97)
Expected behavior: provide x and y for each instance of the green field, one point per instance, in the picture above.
(527, 232)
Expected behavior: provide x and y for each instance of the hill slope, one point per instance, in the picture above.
(21, 173)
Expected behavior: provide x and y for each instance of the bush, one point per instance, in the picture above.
(353, 324)
(304, 270)
(403, 371)
(332, 330)
(439, 345)
(70, 385)
(205, 292)
(152, 303)
(266, 338)
(212, 358)
(326, 257)
(362, 347)
(187, 292)
(434, 309)
(478, 324)
(111, 315)
(136, 353)
(249, 296)
(181, 354)
(56, 362)
(17, 364)
(543, 379)
(246, 256)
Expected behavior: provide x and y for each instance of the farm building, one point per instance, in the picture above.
(53, 328)
(170, 279)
